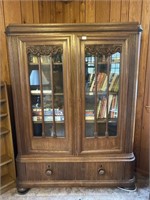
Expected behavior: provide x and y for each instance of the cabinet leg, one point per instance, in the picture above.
(23, 190)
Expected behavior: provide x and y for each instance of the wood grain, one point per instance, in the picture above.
(12, 12)
(44, 11)
(35, 12)
(71, 12)
(135, 10)
(82, 11)
(125, 11)
(59, 12)
(26, 12)
(115, 9)
(3, 54)
(52, 12)
(142, 75)
(102, 9)
(144, 143)
(90, 11)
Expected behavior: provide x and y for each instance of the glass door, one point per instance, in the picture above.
(46, 90)
(49, 120)
(101, 69)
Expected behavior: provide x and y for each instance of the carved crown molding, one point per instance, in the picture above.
(39, 50)
(100, 50)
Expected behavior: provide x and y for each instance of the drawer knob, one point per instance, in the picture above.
(101, 171)
(48, 172)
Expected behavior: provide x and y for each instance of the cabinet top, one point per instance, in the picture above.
(15, 29)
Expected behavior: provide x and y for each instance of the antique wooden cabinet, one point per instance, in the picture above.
(74, 90)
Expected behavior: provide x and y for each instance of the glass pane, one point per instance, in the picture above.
(58, 97)
(102, 81)
(58, 78)
(90, 95)
(102, 69)
(34, 79)
(46, 85)
(113, 94)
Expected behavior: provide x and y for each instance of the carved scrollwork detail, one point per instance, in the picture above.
(100, 50)
(39, 50)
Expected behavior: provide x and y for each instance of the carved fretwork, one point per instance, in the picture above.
(39, 50)
(100, 50)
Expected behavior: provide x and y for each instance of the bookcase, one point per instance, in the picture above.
(7, 163)
(74, 89)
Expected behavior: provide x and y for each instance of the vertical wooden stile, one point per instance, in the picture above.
(96, 103)
(107, 92)
(41, 96)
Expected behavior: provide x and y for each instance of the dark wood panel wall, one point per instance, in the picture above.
(83, 11)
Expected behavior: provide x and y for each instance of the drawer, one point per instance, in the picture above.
(48, 171)
(78, 171)
(104, 171)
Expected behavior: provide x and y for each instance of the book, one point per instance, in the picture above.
(92, 84)
(99, 108)
(101, 81)
(113, 81)
(116, 85)
(103, 108)
(104, 86)
(109, 102)
(89, 115)
(114, 107)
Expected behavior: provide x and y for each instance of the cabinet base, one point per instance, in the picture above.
(78, 172)
(79, 183)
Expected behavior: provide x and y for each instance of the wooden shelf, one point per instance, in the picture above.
(3, 130)
(46, 122)
(112, 120)
(2, 115)
(6, 181)
(5, 159)
(7, 162)
(100, 93)
(45, 64)
(2, 84)
(2, 100)
(103, 63)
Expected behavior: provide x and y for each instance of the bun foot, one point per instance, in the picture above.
(23, 190)
(129, 188)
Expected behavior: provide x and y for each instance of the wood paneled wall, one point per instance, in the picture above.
(49, 11)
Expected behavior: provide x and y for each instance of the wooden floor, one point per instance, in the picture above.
(141, 193)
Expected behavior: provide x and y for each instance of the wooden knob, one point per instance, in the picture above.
(101, 171)
(48, 172)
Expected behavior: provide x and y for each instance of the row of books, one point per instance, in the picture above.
(89, 114)
(47, 112)
(112, 107)
(102, 82)
(47, 118)
(102, 108)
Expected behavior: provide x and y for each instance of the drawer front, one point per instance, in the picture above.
(104, 171)
(76, 171)
(47, 171)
